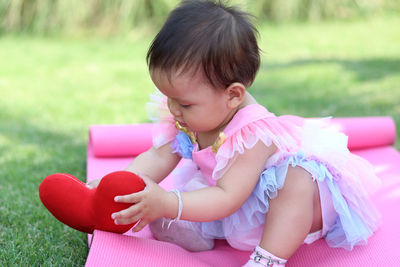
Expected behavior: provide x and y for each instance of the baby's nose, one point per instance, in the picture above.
(174, 108)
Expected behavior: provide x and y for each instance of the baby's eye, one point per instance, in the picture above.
(185, 105)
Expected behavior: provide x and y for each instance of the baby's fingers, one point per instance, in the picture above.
(123, 221)
(131, 198)
(139, 226)
(126, 216)
(93, 184)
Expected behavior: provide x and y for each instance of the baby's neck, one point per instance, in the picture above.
(206, 139)
(248, 100)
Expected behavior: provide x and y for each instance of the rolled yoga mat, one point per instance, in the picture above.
(120, 140)
(367, 132)
(131, 140)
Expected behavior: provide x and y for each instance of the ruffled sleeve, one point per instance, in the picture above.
(164, 130)
(283, 132)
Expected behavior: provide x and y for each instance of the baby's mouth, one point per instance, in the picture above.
(180, 123)
(183, 124)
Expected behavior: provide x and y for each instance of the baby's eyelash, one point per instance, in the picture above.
(184, 106)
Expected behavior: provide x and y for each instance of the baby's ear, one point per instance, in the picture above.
(235, 94)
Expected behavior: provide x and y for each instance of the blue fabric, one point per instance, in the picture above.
(349, 229)
(182, 145)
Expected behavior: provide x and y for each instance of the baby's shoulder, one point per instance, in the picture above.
(246, 116)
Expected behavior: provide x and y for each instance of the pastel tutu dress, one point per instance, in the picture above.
(345, 180)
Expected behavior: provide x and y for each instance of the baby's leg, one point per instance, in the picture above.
(290, 217)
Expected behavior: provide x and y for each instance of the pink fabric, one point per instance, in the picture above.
(327, 209)
(249, 125)
(141, 250)
(318, 140)
(164, 130)
(205, 160)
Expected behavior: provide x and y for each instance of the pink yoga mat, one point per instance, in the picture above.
(141, 249)
(367, 132)
(120, 140)
(131, 140)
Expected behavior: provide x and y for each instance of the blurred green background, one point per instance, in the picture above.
(116, 16)
(65, 65)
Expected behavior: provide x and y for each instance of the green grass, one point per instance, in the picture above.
(52, 89)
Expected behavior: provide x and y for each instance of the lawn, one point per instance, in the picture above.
(52, 89)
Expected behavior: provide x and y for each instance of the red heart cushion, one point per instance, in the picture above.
(84, 209)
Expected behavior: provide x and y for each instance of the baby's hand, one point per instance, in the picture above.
(148, 205)
(93, 184)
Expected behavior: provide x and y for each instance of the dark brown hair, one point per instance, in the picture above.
(211, 36)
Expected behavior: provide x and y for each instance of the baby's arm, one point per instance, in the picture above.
(208, 204)
(155, 163)
(231, 191)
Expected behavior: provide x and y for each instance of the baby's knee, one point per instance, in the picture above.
(297, 175)
(299, 185)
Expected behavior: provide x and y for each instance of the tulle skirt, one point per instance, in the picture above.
(356, 218)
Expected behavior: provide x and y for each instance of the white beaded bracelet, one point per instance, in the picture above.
(178, 217)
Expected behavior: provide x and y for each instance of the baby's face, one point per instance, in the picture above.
(193, 101)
